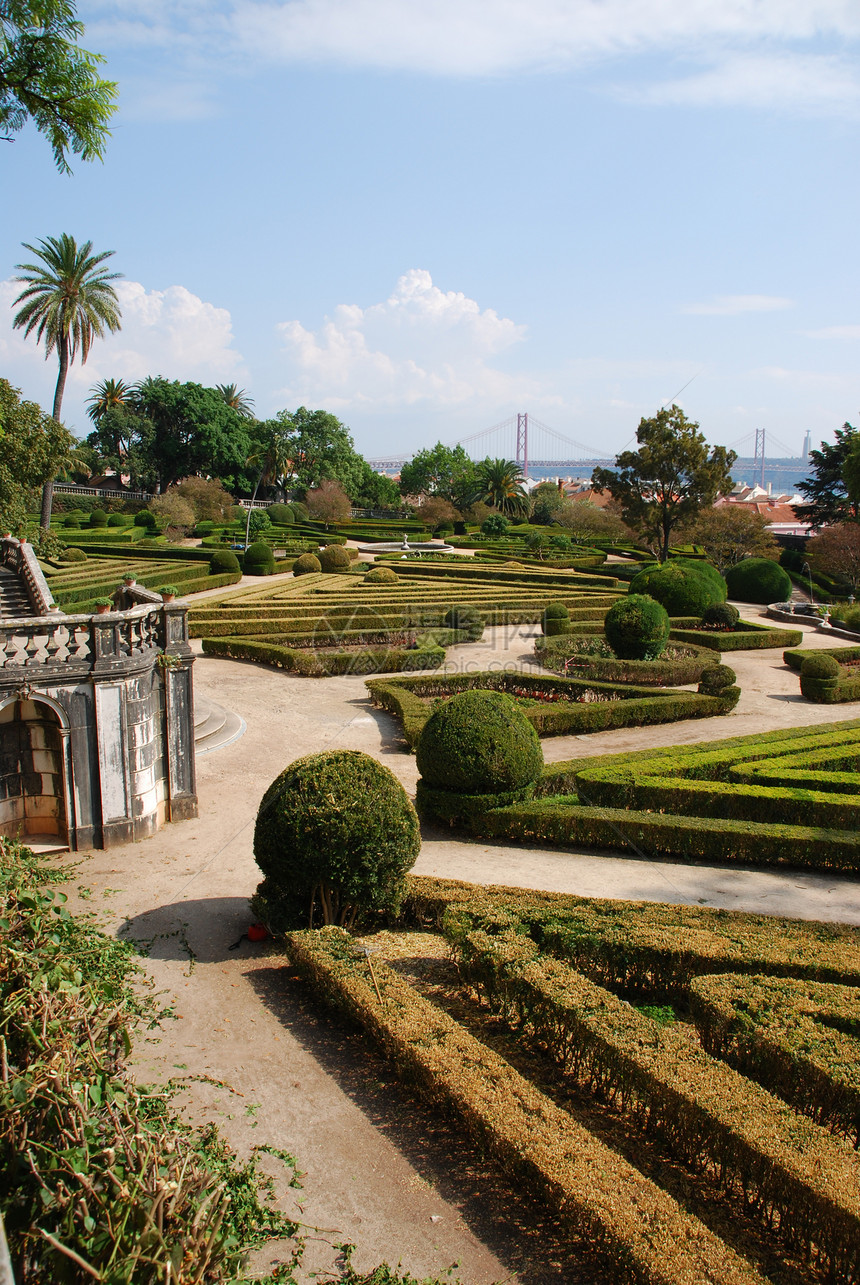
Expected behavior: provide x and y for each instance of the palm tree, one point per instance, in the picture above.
(68, 301)
(108, 395)
(500, 483)
(237, 399)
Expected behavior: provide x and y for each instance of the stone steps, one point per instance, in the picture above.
(214, 726)
(14, 601)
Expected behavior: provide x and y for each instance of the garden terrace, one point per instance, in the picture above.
(583, 1097)
(768, 799)
(77, 585)
(554, 706)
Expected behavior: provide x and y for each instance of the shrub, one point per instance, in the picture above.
(334, 558)
(98, 518)
(820, 667)
(495, 525)
(72, 520)
(305, 564)
(300, 511)
(281, 514)
(223, 560)
(556, 619)
(758, 580)
(716, 678)
(258, 522)
(73, 555)
(381, 575)
(145, 518)
(259, 560)
(850, 617)
(479, 742)
(205, 527)
(722, 615)
(466, 619)
(335, 831)
(118, 519)
(637, 627)
(684, 588)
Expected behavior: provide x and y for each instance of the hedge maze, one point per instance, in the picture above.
(77, 585)
(680, 1084)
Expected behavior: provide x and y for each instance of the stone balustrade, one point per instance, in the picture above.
(20, 557)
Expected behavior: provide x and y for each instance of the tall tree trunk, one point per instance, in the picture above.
(48, 488)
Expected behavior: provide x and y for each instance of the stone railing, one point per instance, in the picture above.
(112, 640)
(18, 556)
(100, 492)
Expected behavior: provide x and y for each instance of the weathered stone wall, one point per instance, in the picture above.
(32, 798)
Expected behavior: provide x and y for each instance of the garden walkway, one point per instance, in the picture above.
(378, 1172)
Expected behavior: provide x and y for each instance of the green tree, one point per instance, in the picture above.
(669, 479)
(320, 448)
(68, 302)
(547, 502)
(730, 533)
(500, 483)
(47, 79)
(585, 521)
(237, 399)
(446, 471)
(33, 447)
(375, 490)
(108, 395)
(827, 494)
(193, 431)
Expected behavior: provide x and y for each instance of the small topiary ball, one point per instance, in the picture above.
(305, 563)
(73, 555)
(118, 519)
(479, 742)
(337, 831)
(637, 627)
(722, 615)
(758, 580)
(465, 618)
(98, 518)
(334, 559)
(716, 678)
(684, 587)
(820, 667)
(556, 619)
(381, 575)
(259, 560)
(72, 520)
(145, 518)
(281, 514)
(222, 561)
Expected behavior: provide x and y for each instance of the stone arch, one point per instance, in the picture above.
(35, 769)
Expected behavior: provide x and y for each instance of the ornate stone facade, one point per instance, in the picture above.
(96, 716)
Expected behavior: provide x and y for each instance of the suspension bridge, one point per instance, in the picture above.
(539, 449)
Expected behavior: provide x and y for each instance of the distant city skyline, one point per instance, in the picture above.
(426, 219)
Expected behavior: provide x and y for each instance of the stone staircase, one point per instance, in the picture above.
(14, 601)
(214, 726)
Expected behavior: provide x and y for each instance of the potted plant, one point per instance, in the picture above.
(168, 592)
(103, 605)
(129, 579)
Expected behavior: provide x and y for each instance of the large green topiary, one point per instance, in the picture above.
(98, 518)
(637, 627)
(683, 587)
(306, 563)
(335, 836)
(465, 618)
(820, 667)
(556, 619)
(281, 514)
(381, 575)
(334, 559)
(758, 580)
(145, 518)
(722, 615)
(119, 519)
(299, 511)
(72, 521)
(222, 561)
(479, 742)
(73, 555)
(259, 560)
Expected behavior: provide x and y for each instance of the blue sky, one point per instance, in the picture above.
(427, 215)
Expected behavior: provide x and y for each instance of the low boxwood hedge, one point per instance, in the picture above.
(316, 664)
(561, 655)
(746, 636)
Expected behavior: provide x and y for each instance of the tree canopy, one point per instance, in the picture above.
(500, 483)
(444, 471)
(193, 431)
(33, 448)
(826, 490)
(730, 533)
(47, 79)
(669, 479)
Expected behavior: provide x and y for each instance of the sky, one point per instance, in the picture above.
(427, 216)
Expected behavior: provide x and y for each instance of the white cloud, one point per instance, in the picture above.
(806, 378)
(735, 305)
(791, 82)
(834, 332)
(168, 332)
(421, 345)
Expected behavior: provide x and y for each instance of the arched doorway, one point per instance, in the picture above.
(33, 770)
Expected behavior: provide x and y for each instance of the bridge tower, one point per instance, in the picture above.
(758, 461)
(523, 442)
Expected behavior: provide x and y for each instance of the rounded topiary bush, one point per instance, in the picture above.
(465, 618)
(637, 627)
(758, 580)
(335, 836)
(281, 514)
(334, 559)
(820, 667)
(204, 527)
(222, 561)
(684, 588)
(722, 615)
(716, 678)
(479, 742)
(381, 575)
(145, 518)
(305, 563)
(72, 520)
(556, 619)
(118, 519)
(73, 555)
(98, 518)
(259, 560)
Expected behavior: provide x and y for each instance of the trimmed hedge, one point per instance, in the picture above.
(746, 636)
(480, 742)
(758, 580)
(258, 560)
(314, 664)
(562, 657)
(682, 586)
(642, 1233)
(637, 627)
(795, 658)
(223, 560)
